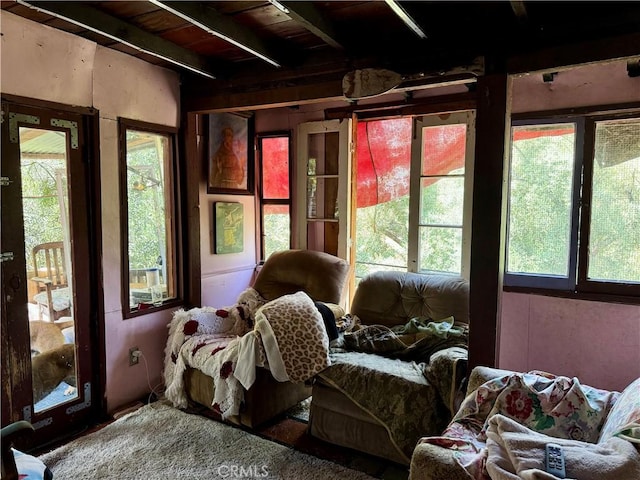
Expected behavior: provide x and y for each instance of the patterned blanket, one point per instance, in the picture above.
(288, 337)
(556, 406)
(415, 341)
(196, 337)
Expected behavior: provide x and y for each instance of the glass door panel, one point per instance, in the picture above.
(49, 273)
(325, 182)
(440, 211)
(48, 301)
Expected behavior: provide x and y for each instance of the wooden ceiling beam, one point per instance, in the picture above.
(519, 10)
(126, 33)
(568, 56)
(208, 19)
(406, 18)
(313, 20)
(320, 91)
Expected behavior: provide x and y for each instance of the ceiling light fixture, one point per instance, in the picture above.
(279, 6)
(208, 29)
(116, 38)
(406, 18)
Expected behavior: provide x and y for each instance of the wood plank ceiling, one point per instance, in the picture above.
(245, 46)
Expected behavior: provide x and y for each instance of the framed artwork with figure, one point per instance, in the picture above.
(230, 156)
(228, 227)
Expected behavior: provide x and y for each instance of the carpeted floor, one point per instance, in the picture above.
(291, 430)
(160, 442)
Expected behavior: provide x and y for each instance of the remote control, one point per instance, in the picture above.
(555, 460)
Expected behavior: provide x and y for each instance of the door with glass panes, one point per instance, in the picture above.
(49, 286)
(324, 186)
(412, 194)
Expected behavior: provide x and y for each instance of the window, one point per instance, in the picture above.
(274, 192)
(149, 216)
(574, 205)
(414, 194)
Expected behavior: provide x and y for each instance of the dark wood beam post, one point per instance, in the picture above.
(488, 222)
(193, 162)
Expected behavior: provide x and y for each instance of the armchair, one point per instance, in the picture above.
(320, 275)
(380, 405)
(504, 423)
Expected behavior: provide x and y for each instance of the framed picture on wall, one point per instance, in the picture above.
(230, 159)
(228, 227)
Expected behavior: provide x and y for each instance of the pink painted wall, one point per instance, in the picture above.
(595, 341)
(44, 63)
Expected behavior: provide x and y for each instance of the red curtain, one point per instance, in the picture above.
(384, 155)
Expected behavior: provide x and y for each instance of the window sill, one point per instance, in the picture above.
(176, 303)
(593, 297)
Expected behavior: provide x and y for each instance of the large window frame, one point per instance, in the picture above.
(420, 124)
(172, 270)
(576, 283)
(415, 169)
(262, 200)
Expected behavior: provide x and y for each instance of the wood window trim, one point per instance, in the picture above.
(582, 288)
(260, 201)
(125, 124)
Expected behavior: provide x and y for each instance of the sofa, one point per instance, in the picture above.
(503, 425)
(378, 398)
(320, 275)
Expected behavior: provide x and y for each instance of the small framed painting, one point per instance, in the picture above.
(230, 168)
(229, 231)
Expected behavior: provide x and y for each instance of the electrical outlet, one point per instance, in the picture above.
(134, 356)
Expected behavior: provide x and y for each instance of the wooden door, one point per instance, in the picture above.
(48, 324)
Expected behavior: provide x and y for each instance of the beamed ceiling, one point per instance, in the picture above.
(243, 48)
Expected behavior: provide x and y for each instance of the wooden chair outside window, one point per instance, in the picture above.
(51, 280)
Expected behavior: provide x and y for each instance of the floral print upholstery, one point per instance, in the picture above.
(554, 405)
(624, 418)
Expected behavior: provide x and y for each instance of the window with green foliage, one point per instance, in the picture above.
(274, 192)
(148, 216)
(574, 205)
(413, 190)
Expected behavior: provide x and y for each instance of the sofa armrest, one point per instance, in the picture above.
(446, 371)
(432, 462)
(480, 375)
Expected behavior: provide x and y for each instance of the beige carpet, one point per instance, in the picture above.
(160, 442)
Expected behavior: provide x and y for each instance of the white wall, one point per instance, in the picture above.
(47, 64)
(596, 341)
(224, 277)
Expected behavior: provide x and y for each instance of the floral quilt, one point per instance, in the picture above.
(556, 406)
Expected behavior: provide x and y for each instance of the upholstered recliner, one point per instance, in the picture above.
(400, 388)
(323, 277)
(506, 420)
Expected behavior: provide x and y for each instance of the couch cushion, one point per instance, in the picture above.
(395, 393)
(392, 298)
(624, 418)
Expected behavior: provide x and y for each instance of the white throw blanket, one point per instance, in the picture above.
(196, 337)
(515, 452)
(289, 337)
